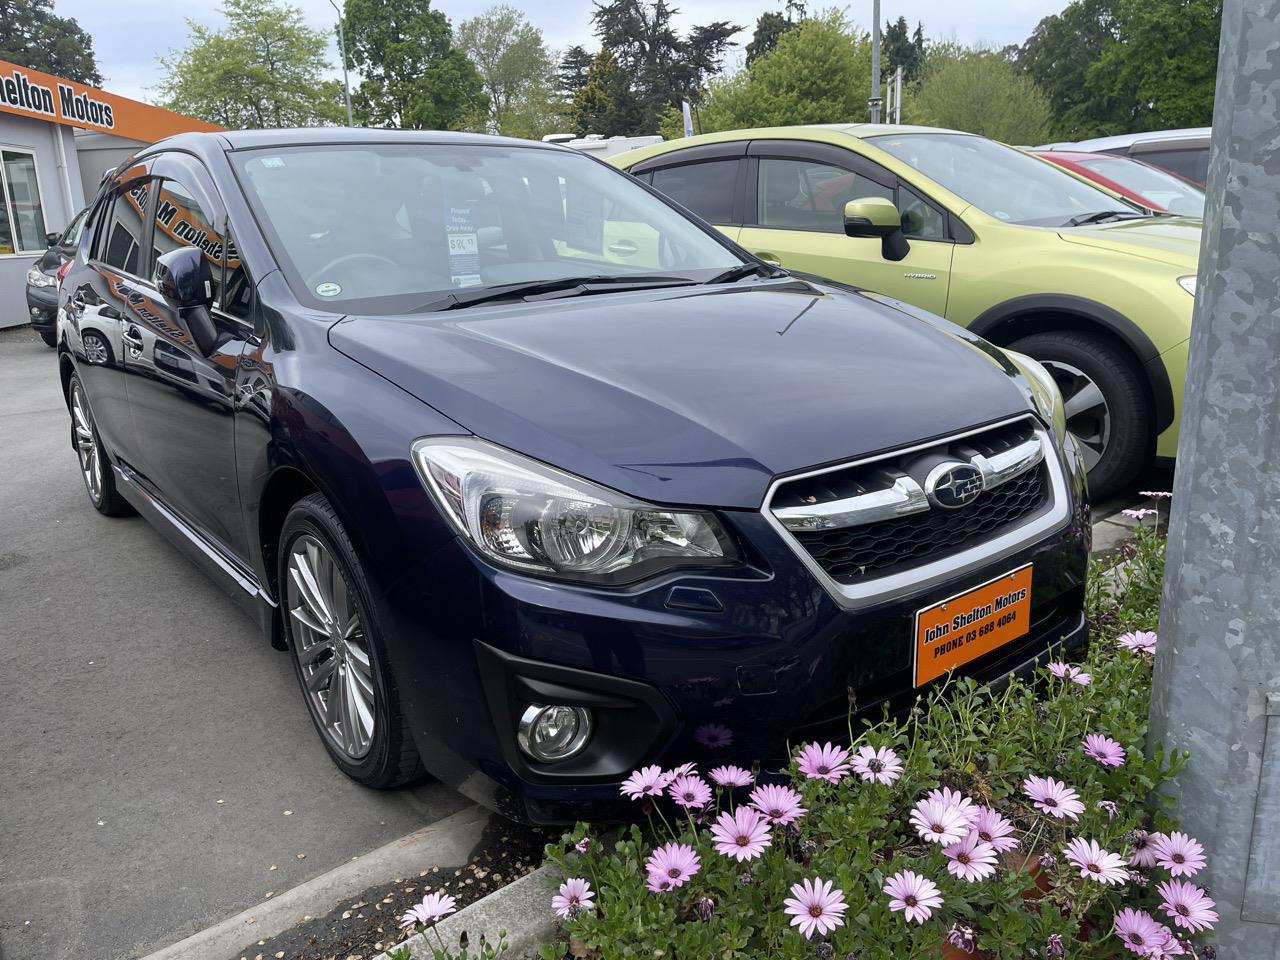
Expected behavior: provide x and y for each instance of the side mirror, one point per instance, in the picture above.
(877, 217)
(51, 238)
(185, 281)
(184, 278)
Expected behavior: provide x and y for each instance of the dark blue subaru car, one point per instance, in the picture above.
(537, 477)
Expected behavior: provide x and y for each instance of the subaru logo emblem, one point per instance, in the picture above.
(952, 485)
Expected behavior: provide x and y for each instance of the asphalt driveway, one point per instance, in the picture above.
(159, 770)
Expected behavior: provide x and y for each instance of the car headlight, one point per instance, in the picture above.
(1188, 284)
(1044, 392)
(38, 278)
(526, 515)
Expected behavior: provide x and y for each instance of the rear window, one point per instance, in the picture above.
(1192, 164)
(705, 188)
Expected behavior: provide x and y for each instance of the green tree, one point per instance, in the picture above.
(572, 71)
(979, 91)
(514, 67)
(605, 103)
(902, 48)
(663, 67)
(32, 35)
(264, 68)
(414, 75)
(1121, 66)
(770, 25)
(818, 73)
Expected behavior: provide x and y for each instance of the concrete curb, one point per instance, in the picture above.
(447, 842)
(522, 909)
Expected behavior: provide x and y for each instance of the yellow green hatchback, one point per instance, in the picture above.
(1012, 247)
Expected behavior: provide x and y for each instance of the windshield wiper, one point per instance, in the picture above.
(746, 270)
(1101, 215)
(550, 289)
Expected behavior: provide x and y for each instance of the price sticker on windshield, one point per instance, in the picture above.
(964, 627)
(461, 240)
(463, 243)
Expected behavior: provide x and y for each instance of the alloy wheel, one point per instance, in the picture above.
(1088, 415)
(332, 649)
(95, 348)
(86, 443)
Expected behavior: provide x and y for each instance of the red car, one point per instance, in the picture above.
(1144, 184)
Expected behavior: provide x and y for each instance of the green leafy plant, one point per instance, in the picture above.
(1024, 821)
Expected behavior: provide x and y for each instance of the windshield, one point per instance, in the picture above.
(1156, 185)
(380, 228)
(1001, 181)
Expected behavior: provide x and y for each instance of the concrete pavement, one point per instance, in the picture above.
(158, 760)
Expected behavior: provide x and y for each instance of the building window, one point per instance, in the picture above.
(22, 227)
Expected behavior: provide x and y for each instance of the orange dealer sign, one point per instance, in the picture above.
(30, 93)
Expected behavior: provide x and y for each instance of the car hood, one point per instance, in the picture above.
(693, 395)
(1171, 240)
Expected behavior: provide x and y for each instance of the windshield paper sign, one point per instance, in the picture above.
(464, 246)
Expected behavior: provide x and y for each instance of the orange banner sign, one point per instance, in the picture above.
(965, 627)
(30, 93)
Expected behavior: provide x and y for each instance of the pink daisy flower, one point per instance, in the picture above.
(1095, 863)
(1109, 807)
(939, 822)
(954, 798)
(1139, 641)
(970, 859)
(877, 765)
(1106, 751)
(1179, 854)
(1053, 797)
(743, 834)
(993, 829)
(825, 762)
(731, 776)
(1138, 931)
(681, 771)
(433, 907)
(714, 736)
(1144, 849)
(815, 907)
(690, 790)
(1069, 671)
(916, 896)
(1170, 947)
(1139, 514)
(672, 864)
(646, 782)
(1188, 905)
(780, 805)
(1155, 494)
(575, 896)
(583, 845)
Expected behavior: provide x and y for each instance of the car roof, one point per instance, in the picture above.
(223, 140)
(1129, 139)
(1077, 155)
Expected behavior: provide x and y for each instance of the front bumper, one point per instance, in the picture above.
(713, 669)
(42, 307)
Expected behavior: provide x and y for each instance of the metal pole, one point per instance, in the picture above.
(874, 101)
(342, 49)
(897, 95)
(1216, 689)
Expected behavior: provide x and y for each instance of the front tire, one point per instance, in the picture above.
(95, 467)
(331, 628)
(50, 336)
(1109, 411)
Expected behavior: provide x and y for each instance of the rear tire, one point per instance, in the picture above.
(1109, 411)
(331, 628)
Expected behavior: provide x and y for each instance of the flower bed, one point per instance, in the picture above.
(1028, 824)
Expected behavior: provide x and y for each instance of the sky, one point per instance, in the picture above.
(128, 35)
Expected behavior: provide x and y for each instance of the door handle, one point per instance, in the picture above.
(770, 258)
(623, 248)
(78, 302)
(133, 338)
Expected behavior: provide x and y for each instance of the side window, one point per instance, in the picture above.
(1192, 164)
(71, 236)
(705, 188)
(21, 213)
(120, 244)
(181, 221)
(806, 195)
(921, 220)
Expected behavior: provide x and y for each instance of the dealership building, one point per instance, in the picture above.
(57, 140)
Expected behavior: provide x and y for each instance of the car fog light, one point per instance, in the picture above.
(556, 732)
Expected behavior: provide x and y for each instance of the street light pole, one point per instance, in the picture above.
(1216, 689)
(874, 101)
(342, 49)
